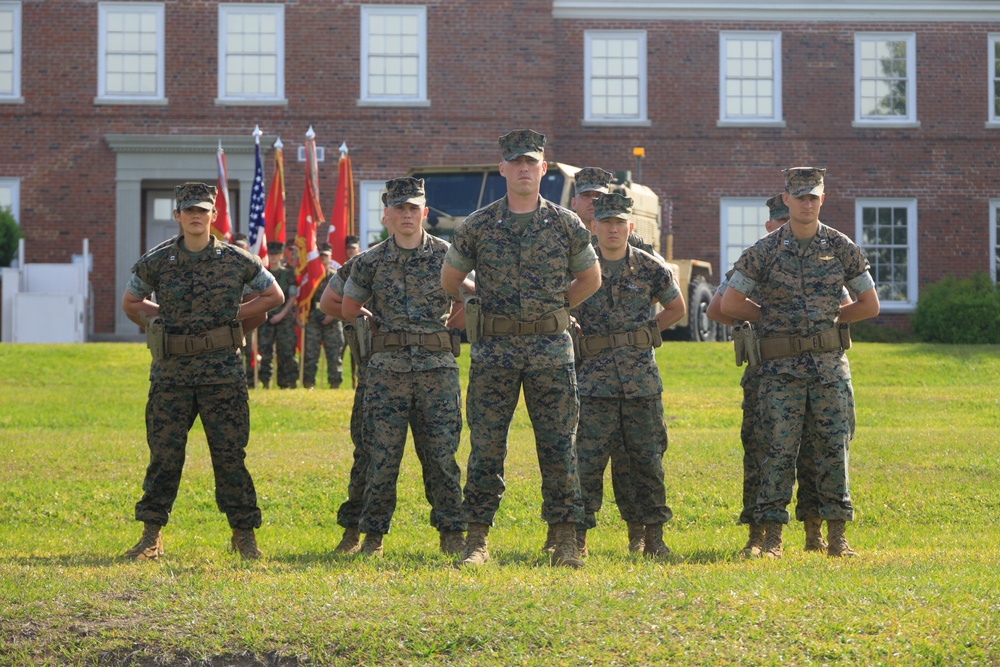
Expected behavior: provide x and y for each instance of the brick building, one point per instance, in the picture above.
(104, 106)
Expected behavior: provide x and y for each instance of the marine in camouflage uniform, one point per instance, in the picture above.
(797, 276)
(589, 184)
(324, 331)
(280, 334)
(412, 374)
(199, 283)
(530, 263)
(621, 410)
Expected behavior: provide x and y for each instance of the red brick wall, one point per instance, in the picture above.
(494, 66)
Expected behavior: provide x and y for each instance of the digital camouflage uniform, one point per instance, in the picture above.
(329, 336)
(595, 179)
(280, 336)
(807, 397)
(621, 411)
(409, 386)
(523, 276)
(198, 292)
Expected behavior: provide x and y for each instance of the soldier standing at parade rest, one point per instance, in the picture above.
(197, 370)
(279, 329)
(589, 184)
(412, 373)
(796, 278)
(806, 503)
(324, 331)
(621, 410)
(533, 261)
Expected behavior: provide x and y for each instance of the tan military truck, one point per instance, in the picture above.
(453, 192)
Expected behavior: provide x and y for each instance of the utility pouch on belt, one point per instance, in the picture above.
(738, 345)
(845, 335)
(456, 342)
(156, 337)
(473, 317)
(574, 334)
(363, 329)
(351, 336)
(654, 333)
(751, 345)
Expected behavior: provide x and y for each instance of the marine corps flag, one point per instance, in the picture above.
(342, 219)
(309, 269)
(220, 228)
(274, 212)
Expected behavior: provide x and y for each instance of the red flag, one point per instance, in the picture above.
(274, 212)
(220, 228)
(342, 219)
(309, 269)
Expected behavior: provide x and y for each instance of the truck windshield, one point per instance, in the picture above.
(458, 194)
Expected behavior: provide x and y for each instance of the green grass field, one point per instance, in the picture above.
(925, 481)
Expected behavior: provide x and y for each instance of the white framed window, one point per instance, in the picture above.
(370, 228)
(394, 54)
(887, 232)
(10, 193)
(993, 61)
(885, 78)
(741, 224)
(614, 77)
(10, 51)
(130, 51)
(750, 77)
(251, 52)
(995, 240)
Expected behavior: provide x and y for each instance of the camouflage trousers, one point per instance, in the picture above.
(806, 500)
(430, 402)
(282, 337)
(225, 414)
(331, 338)
(551, 398)
(349, 513)
(632, 433)
(792, 411)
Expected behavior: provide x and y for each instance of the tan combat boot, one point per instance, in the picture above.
(755, 543)
(835, 533)
(772, 539)
(550, 539)
(372, 546)
(566, 554)
(636, 536)
(475, 552)
(452, 541)
(150, 545)
(581, 542)
(814, 534)
(245, 543)
(350, 543)
(654, 546)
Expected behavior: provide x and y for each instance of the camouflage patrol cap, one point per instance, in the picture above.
(275, 247)
(777, 208)
(324, 249)
(804, 181)
(516, 143)
(195, 194)
(405, 190)
(593, 179)
(614, 205)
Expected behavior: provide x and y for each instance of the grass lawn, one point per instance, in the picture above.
(925, 481)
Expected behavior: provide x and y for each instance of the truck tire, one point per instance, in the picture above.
(700, 328)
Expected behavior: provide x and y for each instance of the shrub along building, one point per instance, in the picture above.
(105, 106)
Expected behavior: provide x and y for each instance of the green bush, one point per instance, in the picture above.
(957, 310)
(10, 234)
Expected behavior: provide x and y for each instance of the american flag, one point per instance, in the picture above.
(256, 234)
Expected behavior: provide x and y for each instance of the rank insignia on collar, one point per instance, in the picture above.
(827, 258)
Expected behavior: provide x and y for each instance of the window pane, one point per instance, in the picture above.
(750, 65)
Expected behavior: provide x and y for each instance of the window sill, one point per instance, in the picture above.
(885, 124)
(896, 307)
(224, 102)
(394, 103)
(992, 125)
(750, 123)
(11, 100)
(615, 122)
(132, 101)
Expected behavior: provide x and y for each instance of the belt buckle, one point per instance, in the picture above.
(817, 341)
(621, 339)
